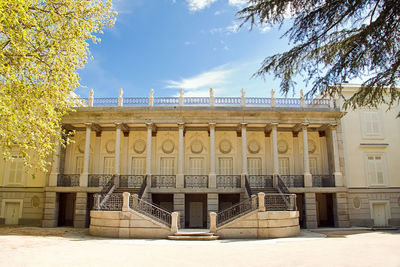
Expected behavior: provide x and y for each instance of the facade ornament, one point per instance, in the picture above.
(151, 98)
(243, 98)
(212, 97)
(273, 100)
(302, 102)
(91, 98)
(181, 97)
(120, 99)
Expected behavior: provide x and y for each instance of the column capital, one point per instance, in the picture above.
(181, 125)
(118, 125)
(332, 126)
(212, 124)
(304, 125)
(274, 125)
(88, 124)
(149, 125)
(243, 124)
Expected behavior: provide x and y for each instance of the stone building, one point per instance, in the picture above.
(196, 155)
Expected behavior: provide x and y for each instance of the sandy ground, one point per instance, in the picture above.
(25, 246)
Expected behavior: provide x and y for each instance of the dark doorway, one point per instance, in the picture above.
(227, 200)
(324, 207)
(195, 210)
(66, 209)
(165, 201)
(89, 207)
(300, 207)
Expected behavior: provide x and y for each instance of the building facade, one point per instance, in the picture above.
(196, 155)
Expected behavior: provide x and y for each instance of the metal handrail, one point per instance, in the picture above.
(152, 210)
(237, 210)
(196, 181)
(142, 187)
(247, 185)
(131, 181)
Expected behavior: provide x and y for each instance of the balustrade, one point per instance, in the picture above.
(163, 181)
(150, 209)
(293, 180)
(323, 180)
(113, 202)
(166, 101)
(131, 181)
(280, 202)
(196, 101)
(235, 211)
(228, 181)
(227, 101)
(68, 180)
(136, 101)
(196, 181)
(105, 102)
(261, 181)
(258, 101)
(95, 180)
(288, 102)
(317, 103)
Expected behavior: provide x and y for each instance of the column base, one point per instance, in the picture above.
(275, 180)
(338, 179)
(307, 180)
(180, 183)
(83, 179)
(212, 180)
(53, 179)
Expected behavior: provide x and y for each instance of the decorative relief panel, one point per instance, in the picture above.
(168, 146)
(283, 146)
(110, 146)
(312, 147)
(139, 146)
(80, 145)
(225, 146)
(253, 147)
(357, 203)
(35, 201)
(196, 147)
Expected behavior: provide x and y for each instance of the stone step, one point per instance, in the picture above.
(193, 234)
(126, 189)
(194, 237)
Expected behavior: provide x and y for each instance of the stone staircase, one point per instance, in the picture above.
(120, 190)
(188, 234)
(273, 202)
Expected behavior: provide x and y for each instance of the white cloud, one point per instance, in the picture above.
(237, 3)
(196, 5)
(234, 28)
(264, 28)
(216, 13)
(188, 43)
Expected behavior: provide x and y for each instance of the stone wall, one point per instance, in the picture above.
(266, 224)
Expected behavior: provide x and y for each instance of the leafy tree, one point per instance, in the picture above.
(42, 45)
(335, 41)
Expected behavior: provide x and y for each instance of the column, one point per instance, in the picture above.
(335, 151)
(117, 149)
(244, 153)
(274, 126)
(306, 161)
(212, 177)
(83, 180)
(125, 148)
(80, 210)
(311, 210)
(148, 153)
(179, 175)
(55, 168)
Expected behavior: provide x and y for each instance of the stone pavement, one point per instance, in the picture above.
(71, 247)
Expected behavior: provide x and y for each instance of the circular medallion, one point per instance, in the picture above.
(196, 147)
(35, 201)
(139, 146)
(110, 146)
(168, 146)
(225, 146)
(282, 146)
(81, 146)
(357, 203)
(253, 147)
(311, 146)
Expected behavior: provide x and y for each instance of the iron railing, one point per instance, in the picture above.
(280, 202)
(109, 185)
(196, 181)
(131, 181)
(293, 180)
(228, 181)
(261, 181)
(323, 180)
(247, 186)
(150, 209)
(110, 202)
(68, 180)
(143, 187)
(95, 180)
(163, 181)
(235, 211)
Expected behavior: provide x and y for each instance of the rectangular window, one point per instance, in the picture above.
(225, 166)
(371, 123)
(375, 169)
(313, 166)
(284, 168)
(15, 172)
(167, 166)
(109, 165)
(254, 166)
(138, 166)
(196, 166)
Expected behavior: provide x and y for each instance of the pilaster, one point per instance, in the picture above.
(83, 179)
(179, 175)
(212, 177)
(274, 127)
(310, 210)
(50, 210)
(80, 210)
(306, 160)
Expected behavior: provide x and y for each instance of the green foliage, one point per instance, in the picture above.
(42, 45)
(335, 41)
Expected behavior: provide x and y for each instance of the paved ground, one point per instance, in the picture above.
(70, 247)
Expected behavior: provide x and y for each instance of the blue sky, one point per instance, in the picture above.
(171, 44)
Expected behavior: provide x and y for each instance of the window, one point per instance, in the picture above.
(284, 168)
(313, 166)
(196, 166)
(371, 124)
(254, 166)
(167, 166)
(225, 166)
(375, 169)
(138, 166)
(15, 171)
(108, 167)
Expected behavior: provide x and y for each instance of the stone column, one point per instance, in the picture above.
(83, 180)
(274, 126)
(125, 148)
(244, 154)
(179, 175)
(117, 149)
(306, 161)
(311, 210)
(335, 151)
(148, 153)
(212, 177)
(296, 154)
(55, 168)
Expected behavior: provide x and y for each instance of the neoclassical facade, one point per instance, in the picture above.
(198, 156)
